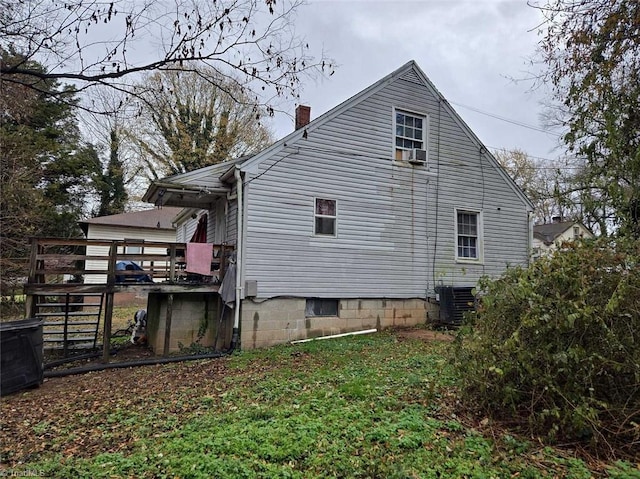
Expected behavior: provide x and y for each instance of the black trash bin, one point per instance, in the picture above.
(20, 355)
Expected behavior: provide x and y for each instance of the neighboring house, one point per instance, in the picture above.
(148, 225)
(549, 236)
(356, 218)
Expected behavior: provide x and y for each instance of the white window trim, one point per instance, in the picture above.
(480, 246)
(315, 215)
(425, 130)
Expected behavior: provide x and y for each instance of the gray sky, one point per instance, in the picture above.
(471, 51)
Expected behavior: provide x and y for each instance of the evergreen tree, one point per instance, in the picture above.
(47, 171)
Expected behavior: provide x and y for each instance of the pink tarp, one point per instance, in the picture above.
(199, 256)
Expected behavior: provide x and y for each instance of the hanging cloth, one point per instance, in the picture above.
(200, 234)
(227, 289)
(199, 256)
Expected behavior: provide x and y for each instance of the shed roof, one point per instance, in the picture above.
(194, 189)
(156, 218)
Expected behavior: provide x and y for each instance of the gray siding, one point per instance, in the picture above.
(232, 219)
(390, 216)
(187, 226)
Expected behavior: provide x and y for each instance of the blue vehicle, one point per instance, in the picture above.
(131, 266)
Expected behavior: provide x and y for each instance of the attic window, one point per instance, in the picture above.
(410, 132)
(325, 217)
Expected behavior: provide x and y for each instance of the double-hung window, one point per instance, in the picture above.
(325, 217)
(468, 235)
(411, 133)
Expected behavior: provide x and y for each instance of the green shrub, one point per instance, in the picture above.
(557, 344)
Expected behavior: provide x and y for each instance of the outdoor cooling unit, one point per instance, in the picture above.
(417, 156)
(454, 302)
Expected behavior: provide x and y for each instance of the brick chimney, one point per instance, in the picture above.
(303, 116)
(557, 219)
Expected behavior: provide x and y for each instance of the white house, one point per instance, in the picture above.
(357, 218)
(550, 236)
(148, 225)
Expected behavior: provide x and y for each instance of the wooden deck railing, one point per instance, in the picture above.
(56, 261)
(84, 266)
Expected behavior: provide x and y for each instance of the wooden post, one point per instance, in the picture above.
(106, 335)
(65, 344)
(30, 300)
(172, 262)
(223, 265)
(167, 324)
(109, 300)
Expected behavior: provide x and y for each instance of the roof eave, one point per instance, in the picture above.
(163, 193)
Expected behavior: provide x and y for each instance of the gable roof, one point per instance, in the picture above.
(156, 218)
(550, 231)
(409, 71)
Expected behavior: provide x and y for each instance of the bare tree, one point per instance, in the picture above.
(91, 43)
(544, 183)
(190, 122)
(108, 133)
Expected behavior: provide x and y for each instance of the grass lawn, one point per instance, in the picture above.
(375, 406)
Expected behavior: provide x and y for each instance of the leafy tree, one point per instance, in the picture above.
(190, 122)
(46, 169)
(111, 183)
(250, 43)
(592, 52)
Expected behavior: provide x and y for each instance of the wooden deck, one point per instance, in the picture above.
(76, 266)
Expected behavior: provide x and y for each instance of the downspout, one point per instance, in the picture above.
(529, 236)
(235, 336)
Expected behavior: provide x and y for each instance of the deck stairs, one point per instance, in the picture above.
(71, 321)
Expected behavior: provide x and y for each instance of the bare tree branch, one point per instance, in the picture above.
(101, 43)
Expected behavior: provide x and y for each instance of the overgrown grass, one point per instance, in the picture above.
(358, 407)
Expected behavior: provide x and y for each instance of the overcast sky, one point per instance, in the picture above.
(471, 51)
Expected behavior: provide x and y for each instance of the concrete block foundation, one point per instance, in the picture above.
(194, 319)
(275, 321)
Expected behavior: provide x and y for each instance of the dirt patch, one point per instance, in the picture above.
(423, 334)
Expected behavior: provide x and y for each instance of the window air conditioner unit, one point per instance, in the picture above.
(417, 156)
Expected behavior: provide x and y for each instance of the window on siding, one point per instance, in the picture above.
(137, 249)
(576, 232)
(325, 217)
(468, 235)
(410, 132)
(321, 307)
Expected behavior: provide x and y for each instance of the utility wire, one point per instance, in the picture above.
(507, 120)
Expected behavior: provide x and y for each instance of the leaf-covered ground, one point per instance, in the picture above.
(382, 405)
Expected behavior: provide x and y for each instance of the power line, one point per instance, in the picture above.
(507, 120)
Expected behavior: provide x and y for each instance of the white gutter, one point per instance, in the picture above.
(235, 337)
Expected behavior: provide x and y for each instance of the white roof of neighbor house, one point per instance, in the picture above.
(156, 218)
